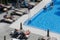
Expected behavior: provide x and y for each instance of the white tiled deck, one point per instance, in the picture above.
(33, 12)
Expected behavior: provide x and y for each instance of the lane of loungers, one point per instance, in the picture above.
(9, 17)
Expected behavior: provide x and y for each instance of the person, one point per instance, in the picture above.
(30, 6)
(8, 16)
(51, 4)
(14, 3)
(14, 34)
(23, 35)
(27, 33)
(45, 8)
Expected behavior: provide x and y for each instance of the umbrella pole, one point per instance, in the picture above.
(4, 37)
(48, 33)
(21, 26)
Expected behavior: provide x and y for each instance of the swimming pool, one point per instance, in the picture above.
(47, 19)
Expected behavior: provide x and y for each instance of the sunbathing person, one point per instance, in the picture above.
(24, 35)
(27, 33)
(9, 16)
(20, 35)
(7, 19)
(14, 34)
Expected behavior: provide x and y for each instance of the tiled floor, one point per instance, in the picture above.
(5, 29)
(34, 30)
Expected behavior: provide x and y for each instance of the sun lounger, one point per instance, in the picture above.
(2, 8)
(14, 39)
(5, 7)
(20, 12)
(20, 35)
(33, 3)
(23, 10)
(47, 38)
(17, 13)
(7, 21)
(8, 7)
(17, 39)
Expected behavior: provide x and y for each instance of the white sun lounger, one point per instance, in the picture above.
(19, 13)
(8, 20)
(33, 3)
(14, 39)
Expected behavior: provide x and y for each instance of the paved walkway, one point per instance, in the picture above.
(33, 12)
(5, 30)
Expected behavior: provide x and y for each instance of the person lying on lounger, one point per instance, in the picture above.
(8, 16)
(14, 34)
(20, 35)
(8, 19)
(24, 35)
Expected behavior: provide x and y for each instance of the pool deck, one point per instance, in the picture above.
(33, 11)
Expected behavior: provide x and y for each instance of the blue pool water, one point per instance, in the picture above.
(47, 19)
